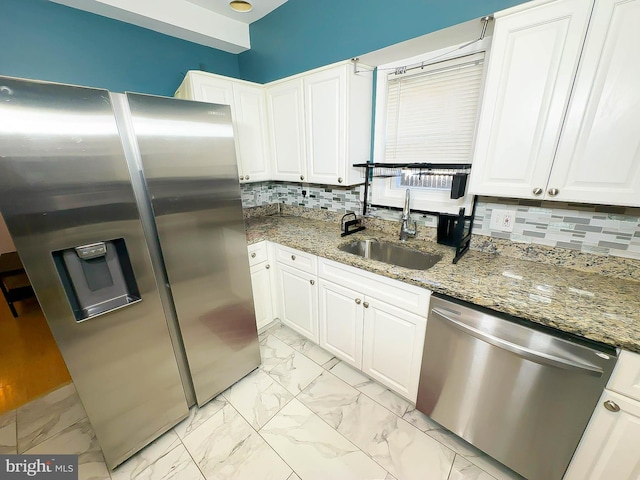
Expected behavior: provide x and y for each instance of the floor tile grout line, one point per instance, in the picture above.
(339, 433)
(190, 454)
(455, 455)
(263, 439)
(315, 414)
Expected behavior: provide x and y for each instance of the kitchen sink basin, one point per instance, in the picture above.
(392, 253)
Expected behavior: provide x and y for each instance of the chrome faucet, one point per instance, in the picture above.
(405, 230)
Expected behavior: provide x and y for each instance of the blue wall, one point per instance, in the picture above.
(305, 34)
(46, 41)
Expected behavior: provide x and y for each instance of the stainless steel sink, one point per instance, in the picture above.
(392, 253)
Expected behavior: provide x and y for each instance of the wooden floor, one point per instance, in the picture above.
(30, 362)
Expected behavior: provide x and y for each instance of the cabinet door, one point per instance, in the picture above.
(261, 284)
(325, 114)
(626, 376)
(531, 67)
(392, 347)
(598, 159)
(286, 115)
(340, 322)
(609, 447)
(213, 90)
(250, 109)
(299, 301)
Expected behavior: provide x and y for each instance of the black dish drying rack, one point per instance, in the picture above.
(453, 230)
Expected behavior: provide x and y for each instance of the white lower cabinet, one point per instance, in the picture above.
(341, 322)
(371, 322)
(384, 339)
(298, 300)
(610, 447)
(392, 346)
(261, 283)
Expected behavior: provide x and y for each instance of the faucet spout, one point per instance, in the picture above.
(405, 230)
(406, 211)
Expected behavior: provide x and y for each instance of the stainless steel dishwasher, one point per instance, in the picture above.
(521, 395)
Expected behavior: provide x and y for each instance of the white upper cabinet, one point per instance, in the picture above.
(321, 125)
(250, 108)
(325, 118)
(338, 124)
(532, 64)
(286, 124)
(249, 115)
(598, 158)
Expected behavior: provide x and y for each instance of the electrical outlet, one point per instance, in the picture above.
(503, 220)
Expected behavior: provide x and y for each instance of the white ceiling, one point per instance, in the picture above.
(260, 8)
(207, 22)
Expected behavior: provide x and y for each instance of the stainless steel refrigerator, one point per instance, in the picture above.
(125, 210)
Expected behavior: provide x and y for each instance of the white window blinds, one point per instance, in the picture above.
(431, 111)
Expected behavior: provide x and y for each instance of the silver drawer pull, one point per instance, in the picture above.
(537, 191)
(553, 192)
(293, 257)
(611, 406)
(358, 301)
(312, 282)
(365, 304)
(267, 266)
(253, 255)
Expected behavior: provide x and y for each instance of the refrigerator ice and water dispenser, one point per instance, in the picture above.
(97, 278)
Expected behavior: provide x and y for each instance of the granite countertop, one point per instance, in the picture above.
(594, 306)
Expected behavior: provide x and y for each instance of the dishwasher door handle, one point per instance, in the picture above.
(524, 352)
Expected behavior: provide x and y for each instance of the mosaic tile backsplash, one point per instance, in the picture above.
(599, 229)
(595, 229)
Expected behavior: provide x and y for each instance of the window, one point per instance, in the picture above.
(426, 113)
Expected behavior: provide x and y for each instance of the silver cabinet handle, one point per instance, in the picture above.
(358, 301)
(611, 406)
(241, 178)
(247, 177)
(312, 282)
(253, 255)
(339, 179)
(553, 192)
(267, 266)
(365, 304)
(301, 177)
(293, 257)
(524, 352)
(537, 191)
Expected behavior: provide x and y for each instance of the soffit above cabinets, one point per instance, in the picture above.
(206, 22)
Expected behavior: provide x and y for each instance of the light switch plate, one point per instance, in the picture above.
(503, 220)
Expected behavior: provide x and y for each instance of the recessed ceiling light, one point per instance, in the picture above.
(240, 6)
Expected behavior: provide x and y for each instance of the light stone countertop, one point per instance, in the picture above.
(590, 305)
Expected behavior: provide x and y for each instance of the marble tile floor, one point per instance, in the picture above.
(302, 415)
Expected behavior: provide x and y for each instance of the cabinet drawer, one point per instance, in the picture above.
(257, 253)
(626, 375)
(297, 259)
(408, 297)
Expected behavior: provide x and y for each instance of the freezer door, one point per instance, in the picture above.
(64, 183)
(187, 152)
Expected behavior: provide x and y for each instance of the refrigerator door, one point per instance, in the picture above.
(188, 157)
(66, 196)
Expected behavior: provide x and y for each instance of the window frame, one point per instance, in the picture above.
(384, 192)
